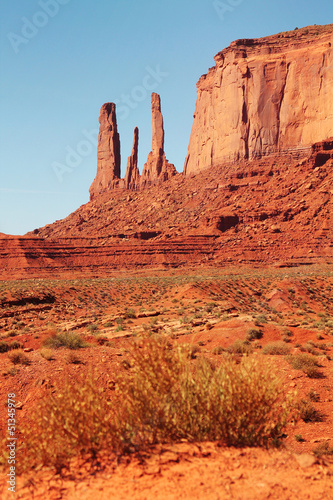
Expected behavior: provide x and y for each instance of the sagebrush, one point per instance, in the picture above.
(162, 396)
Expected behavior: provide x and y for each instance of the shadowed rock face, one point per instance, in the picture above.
(108, 151)
(157, 167)
(264, 95)
(132, 177)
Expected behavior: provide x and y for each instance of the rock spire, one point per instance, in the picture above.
(132, 176)
(157, 167)
(108, 151)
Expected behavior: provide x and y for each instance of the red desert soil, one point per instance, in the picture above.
(210, 310)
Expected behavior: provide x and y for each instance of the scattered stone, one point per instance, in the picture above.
(306, 460)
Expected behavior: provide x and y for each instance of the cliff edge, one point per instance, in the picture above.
(264, 95)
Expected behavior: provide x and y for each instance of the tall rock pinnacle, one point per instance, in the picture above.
(132, 176)
(108, 151)
(157, 123)
(157, 167)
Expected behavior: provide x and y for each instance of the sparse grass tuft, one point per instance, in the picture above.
(323, 449)
(69, 340)
(18, 357)
(47, 354)
(275, 348)
(308, 364)
(308, 412)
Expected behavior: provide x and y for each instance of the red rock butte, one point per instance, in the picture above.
(263, 125)
(264, 95)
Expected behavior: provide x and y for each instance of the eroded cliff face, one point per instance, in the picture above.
(264, 95)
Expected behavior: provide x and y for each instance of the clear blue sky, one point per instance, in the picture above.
(62, 59)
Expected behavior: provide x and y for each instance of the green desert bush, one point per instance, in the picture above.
(161, 397)
(70, 340)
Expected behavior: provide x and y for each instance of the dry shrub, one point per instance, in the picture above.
(308, 364)
(308, 413)
(47, 354)
(240, 347)
(69, 340)
(8, 346)
(74, 420)
(166, 400)
(276, 348)
(18, 357)
(323, 449)
(162, 397)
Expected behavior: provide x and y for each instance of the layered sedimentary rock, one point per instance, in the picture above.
(264, 95)
(132, 176)
(108, 151)
(157, 167)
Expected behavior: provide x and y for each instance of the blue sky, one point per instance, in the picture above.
(60, 60)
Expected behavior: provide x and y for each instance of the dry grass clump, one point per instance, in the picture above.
(308, 364)
(47, 354)
(163, 396)
(276, 348)
(323, 449)
(240, 347)
(18, 357)
(74, 420)
(164, 399)
(69, 340)
(9, 346)
(308, 413)
(254, 334)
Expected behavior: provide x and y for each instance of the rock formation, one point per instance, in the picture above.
(132, 176)
(155, 170)
(157, 167)
(264, 95)
(108, 151)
